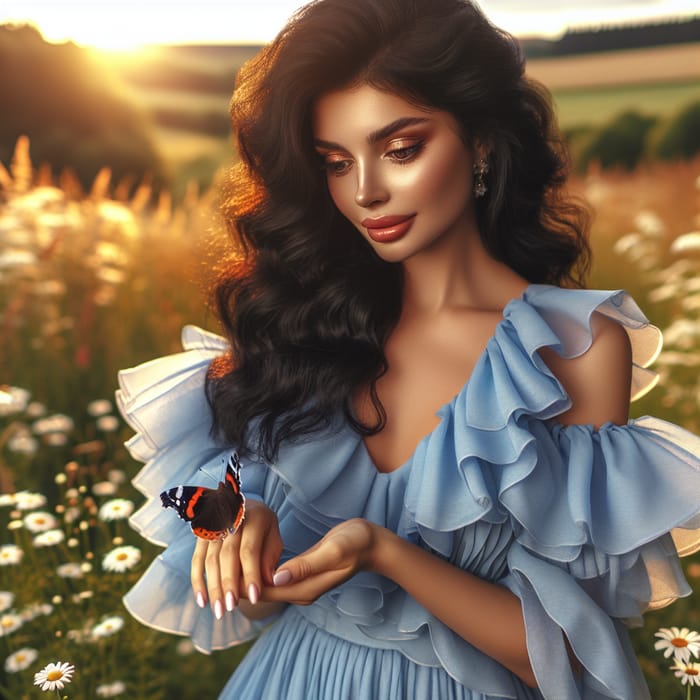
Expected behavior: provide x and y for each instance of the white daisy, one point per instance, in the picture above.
(10, 554)
(689, 673)
(121, 558)
(8, 499)
(26, 500)
(104, 488)
(53, 676)
(49, 538)
(99, 407)
(116, 509)
(23, 443)
(680, 643)
(40, 521)
(70, 570)
(57, 423)
(107, 424)
(108, 627)
(111, 690)
(21, 659)
(9, 623)
(7, 598)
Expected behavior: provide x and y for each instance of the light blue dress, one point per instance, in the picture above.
(584, 526)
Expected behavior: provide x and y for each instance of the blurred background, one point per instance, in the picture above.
(114, 142)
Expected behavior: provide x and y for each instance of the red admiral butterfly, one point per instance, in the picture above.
(212, 513)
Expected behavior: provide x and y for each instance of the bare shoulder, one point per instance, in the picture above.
(598, 382)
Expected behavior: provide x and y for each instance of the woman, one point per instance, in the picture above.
(445, 498)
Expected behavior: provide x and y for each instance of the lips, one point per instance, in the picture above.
(386, 229)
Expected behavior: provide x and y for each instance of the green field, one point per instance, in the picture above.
(597, 105)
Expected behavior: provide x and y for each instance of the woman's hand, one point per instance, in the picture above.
(345, 550)
(239, 565)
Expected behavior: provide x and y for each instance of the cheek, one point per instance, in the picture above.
(342, 194)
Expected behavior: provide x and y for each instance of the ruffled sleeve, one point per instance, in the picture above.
(596, 518)
(164, 402)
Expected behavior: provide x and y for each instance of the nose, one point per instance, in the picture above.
(370, 188)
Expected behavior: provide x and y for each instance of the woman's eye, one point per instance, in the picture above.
(405, 153)
(337, 167)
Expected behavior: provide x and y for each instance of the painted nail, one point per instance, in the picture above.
(200, 599)
(253, 593)
(218, 610)
(282, 578)
(230, 601)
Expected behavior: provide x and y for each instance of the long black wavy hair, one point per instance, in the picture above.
(304, 300)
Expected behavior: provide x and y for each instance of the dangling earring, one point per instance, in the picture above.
(481, 168)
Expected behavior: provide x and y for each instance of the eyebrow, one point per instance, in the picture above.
(379, 134)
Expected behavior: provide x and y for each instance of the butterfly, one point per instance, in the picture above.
(212, 513)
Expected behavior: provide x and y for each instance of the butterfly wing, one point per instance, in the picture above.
(212, 513)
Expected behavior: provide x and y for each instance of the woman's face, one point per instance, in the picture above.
(401, 174)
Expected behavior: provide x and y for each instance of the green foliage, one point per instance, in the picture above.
(680, 135)
(73, 114)
(620, 143)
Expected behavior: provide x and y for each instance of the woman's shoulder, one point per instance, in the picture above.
(603, 342)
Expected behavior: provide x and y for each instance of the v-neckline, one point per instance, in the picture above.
(440, 412)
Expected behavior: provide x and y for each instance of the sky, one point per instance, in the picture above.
(130, 24)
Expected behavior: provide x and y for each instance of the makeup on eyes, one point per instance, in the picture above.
(401, 151)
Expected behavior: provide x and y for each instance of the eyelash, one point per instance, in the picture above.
(401, 156)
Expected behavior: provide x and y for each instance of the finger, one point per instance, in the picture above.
(230, 570)
(303, 592)
(250, 555)
(326, 555)
(271, 552)
(212, 567)
(199, 587)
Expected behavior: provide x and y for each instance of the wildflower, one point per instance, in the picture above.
(689, 673)
(7, 499)
(33, 611)
(70, 570)
(53, 676)
(10, 554)
(107, 424)
(40, 521)
(121, 558)
(57, 423)
(184, 647)
(26, 500)
(49, 538)
(21, 659)
(55, 439)
(116, 509)
(16, 257)
(108, 627)
(13, 399)
(23, 444)
(104, 488)
(687, 243)
(116, 476)
(99, 407)
(649, 224)
(9, 623)
(36, 409)
(15, 525)
(680, 643)
(111, 690)
(6, 600)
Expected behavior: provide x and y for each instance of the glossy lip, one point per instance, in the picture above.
(386, 229)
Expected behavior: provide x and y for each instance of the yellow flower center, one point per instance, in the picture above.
(679, 642)
(7, 622)
(122, 556)
(691, 672)
(54, 675)
(20, 657)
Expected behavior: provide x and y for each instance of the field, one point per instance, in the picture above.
(91, 283)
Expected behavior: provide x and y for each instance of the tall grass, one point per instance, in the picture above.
(91, 282)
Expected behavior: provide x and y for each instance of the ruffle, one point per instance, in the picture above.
(164, 401)
(590, 511)
(499, 488)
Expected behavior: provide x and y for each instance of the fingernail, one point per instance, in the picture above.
(253, 593)
(230, 601)
(282, 578)
(200, 599)
(218, 610)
